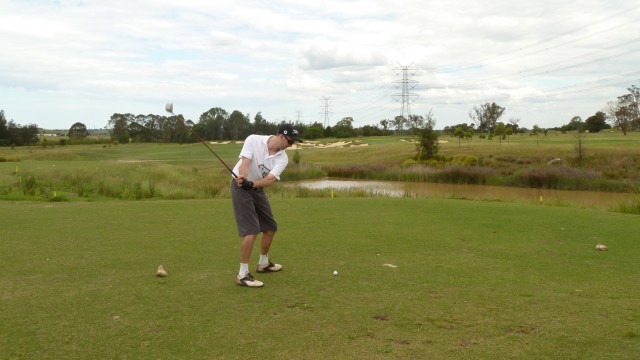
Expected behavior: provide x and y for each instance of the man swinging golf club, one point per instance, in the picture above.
(262, 160)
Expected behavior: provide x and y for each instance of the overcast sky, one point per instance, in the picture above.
(546, 61)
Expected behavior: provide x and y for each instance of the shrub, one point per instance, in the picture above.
(630, 207)
(465, 175)
(296, 157)
(408, 163)
(302, 172)
(465, 160)
(556, 177)
(28, 184)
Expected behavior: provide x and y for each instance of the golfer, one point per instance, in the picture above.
(262, 160)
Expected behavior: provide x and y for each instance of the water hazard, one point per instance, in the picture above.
(592, 199)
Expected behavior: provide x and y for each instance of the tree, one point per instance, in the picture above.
(344, 128)
(536, 132)
(514, 124)
(238, 126)
(427, 145)
(385, 124)
(182, 131)
(574, 124)
(624, 112)
(78, 131)
(486, 116)
(119, 127)
(635, 94)
(451, 129)
(369, 130)
(399, 122)
(150, 128)
(415, 123)
(469, 134)
(597, 122)
(328, 132)
(509, 132)
(315, 131)
(211, 124)
(459, 133)
(260, 124)
(501, 131)
(14, 134)
(4, 130)
(22, 135)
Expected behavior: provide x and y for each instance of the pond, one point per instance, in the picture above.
(593, 199)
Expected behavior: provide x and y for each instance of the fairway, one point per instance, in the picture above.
(474, 280)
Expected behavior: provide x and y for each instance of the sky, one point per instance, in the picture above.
(68, 61)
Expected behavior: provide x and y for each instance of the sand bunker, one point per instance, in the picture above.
(310, 144)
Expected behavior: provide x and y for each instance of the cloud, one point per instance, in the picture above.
(284, 55)
(326, 56)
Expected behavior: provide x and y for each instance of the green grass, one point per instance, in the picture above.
(189, 171)
(475, 280)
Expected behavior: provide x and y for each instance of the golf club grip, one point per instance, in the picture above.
(214, 153)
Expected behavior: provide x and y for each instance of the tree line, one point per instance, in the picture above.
(12, 134)
(623, 113)
(217, 124)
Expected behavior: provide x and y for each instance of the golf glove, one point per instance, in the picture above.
(247, 185)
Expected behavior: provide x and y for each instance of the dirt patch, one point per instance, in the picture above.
(524, 330)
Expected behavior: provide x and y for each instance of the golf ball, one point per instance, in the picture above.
(335, 273)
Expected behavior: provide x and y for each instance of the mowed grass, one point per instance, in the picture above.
(474, 280)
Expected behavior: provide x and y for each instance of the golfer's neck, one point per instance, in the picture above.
(272, 145)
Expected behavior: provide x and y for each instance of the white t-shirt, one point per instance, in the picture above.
(262, 164)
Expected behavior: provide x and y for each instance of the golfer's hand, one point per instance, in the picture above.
(247, 185)
(240, 179)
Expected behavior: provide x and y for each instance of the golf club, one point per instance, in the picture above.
(169, 109)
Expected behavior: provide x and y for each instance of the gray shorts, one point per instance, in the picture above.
(252, 211)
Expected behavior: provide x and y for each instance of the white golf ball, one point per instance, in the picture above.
(335, 273)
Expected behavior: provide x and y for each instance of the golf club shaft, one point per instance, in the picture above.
(213, 152)
(169, 108)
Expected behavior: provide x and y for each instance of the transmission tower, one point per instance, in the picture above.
(406, 85)
(326, 102)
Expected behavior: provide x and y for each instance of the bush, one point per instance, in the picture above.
(465, 175)
(28, 184)
(303, 172)
(559, 177)
(408, 163)
(630, 207)
(296, 157)
(465, 160)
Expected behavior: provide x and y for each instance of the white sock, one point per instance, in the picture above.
(244, 269)
(264, 260)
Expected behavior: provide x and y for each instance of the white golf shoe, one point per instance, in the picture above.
(249, 281)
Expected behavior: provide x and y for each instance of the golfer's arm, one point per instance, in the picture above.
(264, 182)
(243, 170)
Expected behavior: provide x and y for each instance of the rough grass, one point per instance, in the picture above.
(474, 280)
(189, 171)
